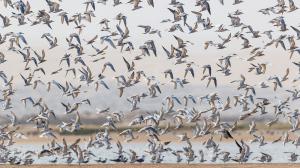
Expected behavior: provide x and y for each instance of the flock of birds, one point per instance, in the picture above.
(175, 112)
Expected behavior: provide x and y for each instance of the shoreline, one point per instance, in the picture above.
(238, 135)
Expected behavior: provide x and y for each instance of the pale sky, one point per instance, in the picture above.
(153, 66)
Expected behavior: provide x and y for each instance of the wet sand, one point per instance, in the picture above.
(164, 166)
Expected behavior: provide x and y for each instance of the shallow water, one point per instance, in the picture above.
(276, 150)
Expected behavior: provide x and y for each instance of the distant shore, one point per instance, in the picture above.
(270, 136)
